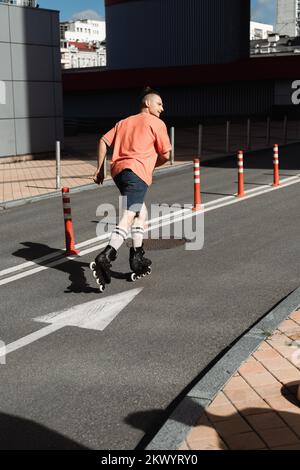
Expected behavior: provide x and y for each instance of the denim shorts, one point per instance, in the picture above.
(133, 187)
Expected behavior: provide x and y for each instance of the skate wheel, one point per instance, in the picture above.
(101, 287)
(92, 265)
(95, 274)
(144, 274)
(149, 271)
(133, 277)
(98, 282)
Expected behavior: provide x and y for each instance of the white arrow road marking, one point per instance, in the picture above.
(93, 315)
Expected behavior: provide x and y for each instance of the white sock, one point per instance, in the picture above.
(117, 237)
(137, 234)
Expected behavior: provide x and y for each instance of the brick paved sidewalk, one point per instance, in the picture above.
(36, 177)
(258, 407)
(32, 178)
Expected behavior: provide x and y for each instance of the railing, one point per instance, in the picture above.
(21, 3)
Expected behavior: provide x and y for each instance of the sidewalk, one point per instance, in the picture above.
(250, 398)
(27, 179)
(258, 407)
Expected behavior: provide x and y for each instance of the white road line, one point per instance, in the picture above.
(93, 315)
(57, 262)
(19, 267)
(55, 254)
(29, 339)
(173, 218)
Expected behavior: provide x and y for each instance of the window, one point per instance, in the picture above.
(258, 33)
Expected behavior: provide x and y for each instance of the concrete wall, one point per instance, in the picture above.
(30, 76)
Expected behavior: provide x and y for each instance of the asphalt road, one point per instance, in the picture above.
(111, 389)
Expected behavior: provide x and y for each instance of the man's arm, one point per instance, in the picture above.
(99, 174)
(162, 159)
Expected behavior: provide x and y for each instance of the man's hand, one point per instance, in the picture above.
(99, 175)
(162, 159)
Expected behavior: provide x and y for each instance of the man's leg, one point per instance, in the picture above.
(138, 227)
(102, 264)
(139, 265)
(120, 232)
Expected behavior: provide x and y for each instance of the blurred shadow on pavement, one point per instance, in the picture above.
(74, 268)
(23, 434)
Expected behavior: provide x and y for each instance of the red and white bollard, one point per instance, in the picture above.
(197, 190)
(69, 233)
(276, 181)
(241, 192)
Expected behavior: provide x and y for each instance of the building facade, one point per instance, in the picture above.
(21, 3)
(83, 31)
(81, 55)
(260, 30)
(156, 33)
(82, 44)
(30, 76)
(288, 17)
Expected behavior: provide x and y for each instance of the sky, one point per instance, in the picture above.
(69, 9)
(261, 10)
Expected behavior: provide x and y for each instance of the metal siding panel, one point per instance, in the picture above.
(7, 137)
(58, 99)
(56, 70)
(6, 102)
(34, 99)
(30, 26)
(35, 135)
(5, 58)
(55, 41)
(207, 102)
(154, 33)
(101, 105)
(215, 101)
(32, 62)
(4, 24)
(59, 130)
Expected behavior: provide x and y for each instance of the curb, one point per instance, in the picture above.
(188, 412)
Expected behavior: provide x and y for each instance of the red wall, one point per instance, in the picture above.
(265, 68)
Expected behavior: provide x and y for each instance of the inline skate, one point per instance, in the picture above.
(101, 266)
(140, 266)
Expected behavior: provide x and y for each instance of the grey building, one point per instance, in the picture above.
(30, 79)
(288, 17)
(195, 52)
(156, 33)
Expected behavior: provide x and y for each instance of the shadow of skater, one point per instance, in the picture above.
(248, 428)
(22, 434)
(40, 254)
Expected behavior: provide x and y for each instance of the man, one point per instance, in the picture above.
(140, 143)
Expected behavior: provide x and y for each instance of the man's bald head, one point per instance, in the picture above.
(152, 103)
(147, 97)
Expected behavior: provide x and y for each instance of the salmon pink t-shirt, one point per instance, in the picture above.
(137, 140)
